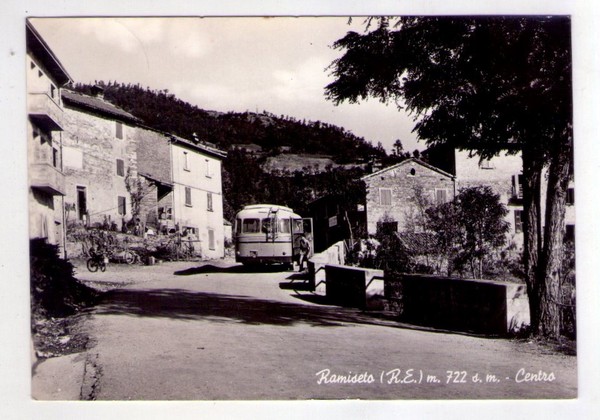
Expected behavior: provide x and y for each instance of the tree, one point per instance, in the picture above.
(469, 228)
(398, 148)
(481, 216)
(487, 84)
(444, 221)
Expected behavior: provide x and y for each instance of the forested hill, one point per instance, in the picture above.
(164, 111)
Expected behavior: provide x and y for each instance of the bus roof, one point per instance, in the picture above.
(265, 208)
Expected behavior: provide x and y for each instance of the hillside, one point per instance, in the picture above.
(319, 158)
(164, 111)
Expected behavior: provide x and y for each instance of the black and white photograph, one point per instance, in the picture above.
(321, 208)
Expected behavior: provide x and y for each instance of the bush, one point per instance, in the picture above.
(55, 292)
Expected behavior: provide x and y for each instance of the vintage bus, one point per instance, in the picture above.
(269, 234)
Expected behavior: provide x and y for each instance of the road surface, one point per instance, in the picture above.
(185, 331)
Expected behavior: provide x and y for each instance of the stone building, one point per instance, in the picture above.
(397, 194)
(121, 173)
(100, 158)
(45, 123)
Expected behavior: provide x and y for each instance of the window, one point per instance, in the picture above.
(250, 226)
(52, 91)
(81, 202)
(518, 221)
(385, 196)
(486, 164)
(412, 172)
(571, 196)
(208, 175)
(55, 157)
(188, 196)
(120, 167)
(209, 201)
(122, 206)
(118, 130)
(211, 239)
(570, 233)
(440, 196)
(517, 185)
(267, 225)
(284, 226)
(387, 228)
(186, 161)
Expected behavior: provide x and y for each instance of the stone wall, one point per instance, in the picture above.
(91, 150)
(402, 182)
(477, 306)
(354, 286)
(153, 154)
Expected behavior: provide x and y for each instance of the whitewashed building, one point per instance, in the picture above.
(45, 78)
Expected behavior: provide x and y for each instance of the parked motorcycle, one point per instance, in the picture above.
(97, 260)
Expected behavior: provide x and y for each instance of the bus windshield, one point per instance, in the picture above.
(284, 226)
(251, 226)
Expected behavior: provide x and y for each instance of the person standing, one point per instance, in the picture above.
(304, 246)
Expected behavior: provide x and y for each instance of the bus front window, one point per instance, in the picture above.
(284, 226)
(250, 226)
(298, 226)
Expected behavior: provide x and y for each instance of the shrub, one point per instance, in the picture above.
(55, 292)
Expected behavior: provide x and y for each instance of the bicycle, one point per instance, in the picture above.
(97, 260)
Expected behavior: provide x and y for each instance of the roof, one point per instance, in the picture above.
(405, 162)
(199, 146)
(247, 146)
(96, 104)
(155, 179)
(41, 50)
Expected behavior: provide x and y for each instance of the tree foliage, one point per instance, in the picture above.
(244, 182)
(487, 84)
(163, 111)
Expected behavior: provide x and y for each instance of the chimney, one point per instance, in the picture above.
(98, 91)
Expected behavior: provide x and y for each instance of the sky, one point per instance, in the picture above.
(256, 64)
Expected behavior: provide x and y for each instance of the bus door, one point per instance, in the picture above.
(302, 227)
(307, 224)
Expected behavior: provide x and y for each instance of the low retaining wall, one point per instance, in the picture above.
(479, 306)
(335, 254)
(353, 286)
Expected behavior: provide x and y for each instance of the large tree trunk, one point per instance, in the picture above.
(550, 263)
(532, 243)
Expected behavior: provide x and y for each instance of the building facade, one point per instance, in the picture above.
(397, 194)
(45, 124)
(198, 194)
(504, 174)
(100, 158)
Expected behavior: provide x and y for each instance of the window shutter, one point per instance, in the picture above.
(209, 201)
(118, 130)
(211, 239)
(518, 221)
(440, 196)
(120, 167)
(122, 206)
(385, 197)
(188, 196)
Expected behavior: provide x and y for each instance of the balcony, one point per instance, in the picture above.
(44, 111)
(47, 178)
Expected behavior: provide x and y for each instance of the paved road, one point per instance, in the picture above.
(216, 332)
